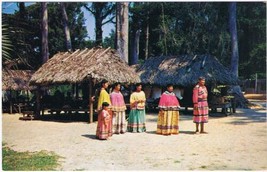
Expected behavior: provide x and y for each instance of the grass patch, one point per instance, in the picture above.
(203, 167)
(28, 161)
(177, 161)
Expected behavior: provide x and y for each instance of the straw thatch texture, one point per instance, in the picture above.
(82, 65)
(16, 79)
(184, 71)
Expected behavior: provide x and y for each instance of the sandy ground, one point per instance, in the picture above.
(235, 142)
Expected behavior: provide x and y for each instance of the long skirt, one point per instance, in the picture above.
(103, 131)
(168, 122)
(119, 122)
(201, 112)
(136, 121)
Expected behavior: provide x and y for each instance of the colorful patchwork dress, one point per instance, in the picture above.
(201, 109)
(136, 121)
(118, 116)
(168, 117)
(103, 126)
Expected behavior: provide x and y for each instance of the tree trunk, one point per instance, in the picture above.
(98, 29)
(22, 12)
(147, 37)
(234, 39)
(136, 48)
(240, 100)
(66, 27)
(122, 27)
(45, 55)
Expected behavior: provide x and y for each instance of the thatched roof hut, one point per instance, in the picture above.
(184, 71)
(16, 79)
(83, 65)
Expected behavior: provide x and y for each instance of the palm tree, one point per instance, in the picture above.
(6, 43)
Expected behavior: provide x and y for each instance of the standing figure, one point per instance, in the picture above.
(136, 122)
(168, 117)
(201, 109)
(103, 130)
(118, 108)
(104, 97)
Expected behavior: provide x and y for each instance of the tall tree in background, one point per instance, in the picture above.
(66, 26)
(101, 10)
(45, 52)
(122, 29)
(234, 39)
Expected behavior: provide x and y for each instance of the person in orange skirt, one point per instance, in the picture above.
(104, 130)
(201, 108)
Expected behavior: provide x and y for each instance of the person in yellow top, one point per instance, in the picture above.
(103, 96)
(136, 122)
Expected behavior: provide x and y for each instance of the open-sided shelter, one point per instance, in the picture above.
(85, 66)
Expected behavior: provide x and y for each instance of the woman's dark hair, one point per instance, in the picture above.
(137, 85)
(105, 104)
(103, 82)
(115, 85)
(201, 78)
(169, 85)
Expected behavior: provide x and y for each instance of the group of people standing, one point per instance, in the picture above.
(112, 118)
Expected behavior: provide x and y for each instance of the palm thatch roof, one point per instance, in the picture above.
(82, 65)
(184, 71)
(16, 79)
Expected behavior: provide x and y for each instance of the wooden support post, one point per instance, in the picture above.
(90, 102)
(38, 101)
(10, 102)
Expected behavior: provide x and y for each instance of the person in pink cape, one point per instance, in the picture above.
(201, 109)
(168, 117)
(118, 108)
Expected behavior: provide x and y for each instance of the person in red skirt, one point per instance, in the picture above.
(201, 108)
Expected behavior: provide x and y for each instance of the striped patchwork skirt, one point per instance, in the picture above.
(103, 131)
(168, 122)
(136, 121)
(119, 122)
(201, 112)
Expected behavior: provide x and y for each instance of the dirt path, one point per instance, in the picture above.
(236, 142)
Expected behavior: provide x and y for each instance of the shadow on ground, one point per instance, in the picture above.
(246, 116)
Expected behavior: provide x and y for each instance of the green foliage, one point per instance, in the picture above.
(28, 161)
(202, 28)
(252, 38)
(26, 31)
(6, 43)
(110, 41)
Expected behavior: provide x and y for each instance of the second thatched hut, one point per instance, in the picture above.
(183, 71)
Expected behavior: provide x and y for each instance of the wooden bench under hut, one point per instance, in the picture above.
(183, 71)
(87, 67)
